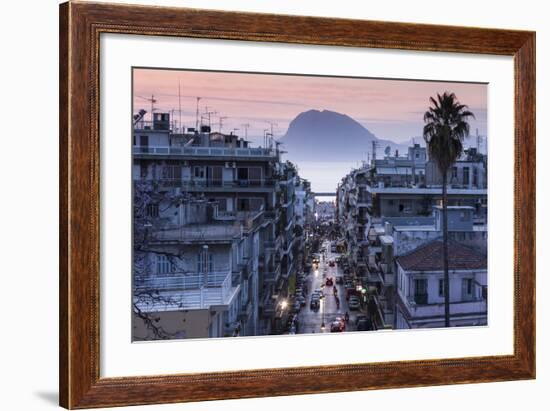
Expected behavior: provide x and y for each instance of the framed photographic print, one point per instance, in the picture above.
(258, 205)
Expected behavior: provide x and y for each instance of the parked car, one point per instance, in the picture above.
(339, 280)
(365, 324)
(353, 303)
(360, 318)
(314, 304)
(301, 300)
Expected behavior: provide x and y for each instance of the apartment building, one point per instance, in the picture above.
(213, 232)
(420, 287)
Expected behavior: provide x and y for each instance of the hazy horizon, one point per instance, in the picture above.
(390, 109)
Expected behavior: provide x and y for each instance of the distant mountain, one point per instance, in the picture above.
(329, 136)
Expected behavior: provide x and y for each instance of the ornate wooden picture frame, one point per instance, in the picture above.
(81, 25)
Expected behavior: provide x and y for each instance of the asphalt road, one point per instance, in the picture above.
(310, 320)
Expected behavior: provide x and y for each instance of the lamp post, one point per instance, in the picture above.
(322, 314)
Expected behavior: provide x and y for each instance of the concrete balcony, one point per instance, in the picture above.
(202, 152)
(270, 305)
(209, 233)
(261, 185)
(246, 311)
(272, 274)
(184, 291)
(182, 281)
(456, 308)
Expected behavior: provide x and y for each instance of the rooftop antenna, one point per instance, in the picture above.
(221, 119)
(266, 133)
(197, 115)
(179, 102)
(152, 101)
(373, 149)
(208, 115)
(271, 134)
(245, 126)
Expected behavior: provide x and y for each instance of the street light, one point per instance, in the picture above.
(284, 304)
(323, 315)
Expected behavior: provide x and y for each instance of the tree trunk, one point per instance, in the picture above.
(445, 252)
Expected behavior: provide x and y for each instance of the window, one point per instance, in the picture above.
(152, 210)
(421, 291)
(467, 288)
(441, 288)
(164, 265)
(454, 172)
(199, 172)
(255, 175)
(476, 177)
(249, 204)
(205, 262)
(466, 175)
(222, 203)
(143, 170)
(215, 175)
(171, 172)
(242, 173)
(144, 141)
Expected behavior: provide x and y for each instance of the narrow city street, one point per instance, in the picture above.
(311, 320)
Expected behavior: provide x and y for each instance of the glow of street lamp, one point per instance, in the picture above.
(284, 304)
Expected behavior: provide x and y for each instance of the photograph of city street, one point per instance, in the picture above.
(283, 204)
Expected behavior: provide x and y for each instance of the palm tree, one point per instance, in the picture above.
(446, 127)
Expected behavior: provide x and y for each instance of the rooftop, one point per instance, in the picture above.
(429, 257)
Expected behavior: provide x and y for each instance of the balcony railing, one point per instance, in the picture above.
(272, 274)
(184, 291)
(205, 151)
(462, 307)
(182, 281)
(222, 184)
(244, 221)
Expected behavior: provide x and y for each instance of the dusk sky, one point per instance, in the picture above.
(391, 109)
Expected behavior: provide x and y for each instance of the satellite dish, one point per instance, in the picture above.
(387, 150)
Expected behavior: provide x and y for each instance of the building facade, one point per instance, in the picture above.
(214, 233)
(392, 207)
